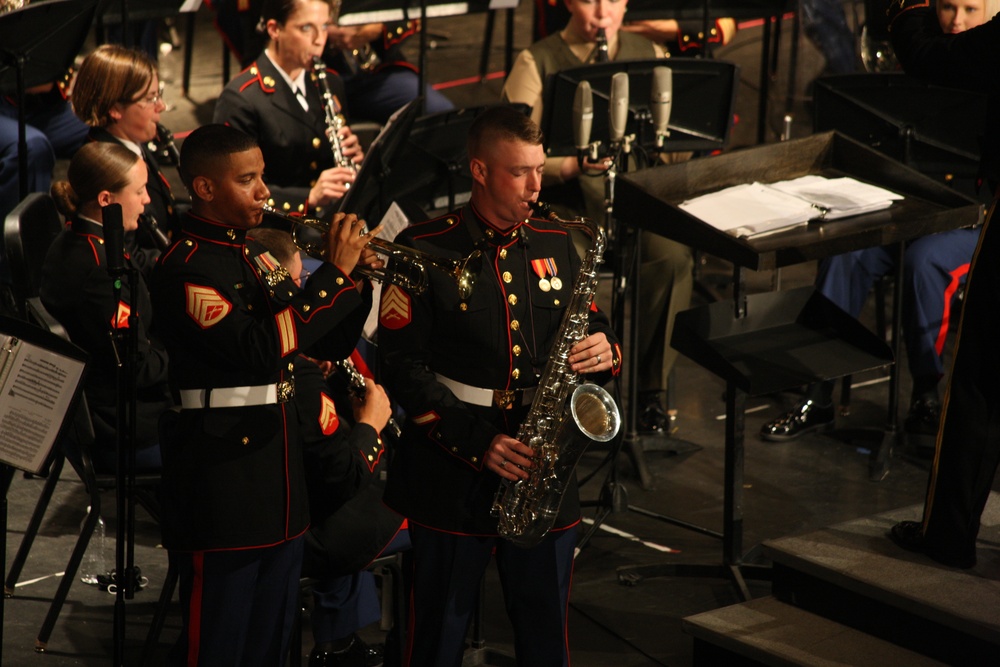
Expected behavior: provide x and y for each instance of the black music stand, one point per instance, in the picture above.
(907, 119)
(762, 342)
(704, 93)
(369, 196)
(72, 357)
(433, 170)
(37, 45)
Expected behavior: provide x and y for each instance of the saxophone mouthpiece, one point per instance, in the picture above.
(543, 210)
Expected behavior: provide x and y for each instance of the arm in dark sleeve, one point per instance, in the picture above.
(969, 60)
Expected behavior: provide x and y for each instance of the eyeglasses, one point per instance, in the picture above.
(152, 98)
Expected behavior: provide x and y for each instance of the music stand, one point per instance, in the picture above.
(702, 109)
(369, 195)
(37, 45)
(433, 170)
(907, 119)
(733, 340)
(42, 353)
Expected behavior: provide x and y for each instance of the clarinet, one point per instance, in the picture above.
(601, 50)
(166, 138)
(334, 120)
(153, 228)
(358, 388)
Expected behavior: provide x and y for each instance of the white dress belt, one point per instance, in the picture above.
(502, 398)
(229, 397)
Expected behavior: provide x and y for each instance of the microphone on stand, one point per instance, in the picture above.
(618, 110)
(114, 239)
(660, 101)
(583, 121)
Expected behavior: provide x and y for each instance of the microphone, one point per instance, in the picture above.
(618, 109)
(583, 118)
(660, 100)
(114, 238)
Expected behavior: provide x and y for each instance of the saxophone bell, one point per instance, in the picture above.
(405, 267)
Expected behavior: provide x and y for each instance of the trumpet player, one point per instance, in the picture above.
(466, 370)
(279, 100)
(233, 484)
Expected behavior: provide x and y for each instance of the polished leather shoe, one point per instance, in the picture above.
(654, 419)
(910, 536)
(922, 421)
(358, 654)
(801, 419)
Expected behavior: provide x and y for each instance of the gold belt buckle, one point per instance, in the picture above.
(286, 390)
(504, 398)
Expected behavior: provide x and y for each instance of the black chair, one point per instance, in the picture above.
(28, 232)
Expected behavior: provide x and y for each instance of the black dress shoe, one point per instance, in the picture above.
(910, 536)
(803, 418)
(654, 419)
(922, 421)
(358, 654)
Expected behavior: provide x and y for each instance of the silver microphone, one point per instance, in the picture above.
(660, 100)
(583, 117)
(618, 109)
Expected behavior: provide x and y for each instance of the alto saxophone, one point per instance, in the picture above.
(334, 120)
(565, 416)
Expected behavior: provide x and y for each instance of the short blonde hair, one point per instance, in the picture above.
(110, 75)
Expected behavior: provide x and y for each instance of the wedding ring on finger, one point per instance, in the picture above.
(598, 359)
(503, 463)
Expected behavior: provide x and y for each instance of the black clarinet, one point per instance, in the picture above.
(358, 388)
(601, 50)
(152, 227)
(166, 139)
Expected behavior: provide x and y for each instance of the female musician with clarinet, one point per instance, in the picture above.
(119, 95)
(76, 288)
(294, 109)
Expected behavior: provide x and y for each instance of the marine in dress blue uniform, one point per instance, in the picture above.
(293, 140)
(77, 289)
(234, 496)
(968, 442)
(436, 345)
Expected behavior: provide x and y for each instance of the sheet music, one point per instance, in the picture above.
(391, 15)
(36, 387)
(752, 209)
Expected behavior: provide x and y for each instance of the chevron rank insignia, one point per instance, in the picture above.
(394, 309)
(206, 306)
(328, 419)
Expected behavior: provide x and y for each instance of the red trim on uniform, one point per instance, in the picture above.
(503, 290)
(949, 294)
(93, 247)
(194, 607)
(373, 464)
(360, 365)
(288, 482)
(163, 179)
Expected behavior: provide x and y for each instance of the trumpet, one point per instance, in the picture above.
(405, 267)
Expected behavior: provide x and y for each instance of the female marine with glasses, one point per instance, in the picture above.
(119, 95)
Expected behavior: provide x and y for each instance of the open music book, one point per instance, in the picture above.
(752, 209)
(37, 387)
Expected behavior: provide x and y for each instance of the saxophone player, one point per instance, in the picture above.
(465, 371)
(279, 101)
